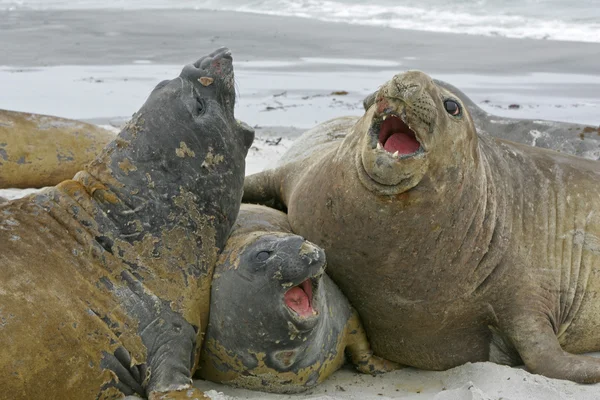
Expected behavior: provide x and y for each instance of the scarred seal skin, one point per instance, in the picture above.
(105, 278)
(454, 247)
(42, 150)
(277, 322)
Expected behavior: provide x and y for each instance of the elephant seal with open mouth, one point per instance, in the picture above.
(277, 322)
(454, 247)
(566, 137)
(105, 278)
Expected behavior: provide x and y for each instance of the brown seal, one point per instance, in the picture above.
(105, 278)
(277, 322)
(42, 150)
(454, 247)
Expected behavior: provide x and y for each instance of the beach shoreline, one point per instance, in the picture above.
(81, 37)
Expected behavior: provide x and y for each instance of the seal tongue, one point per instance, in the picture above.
(396, 136)
(299, 298)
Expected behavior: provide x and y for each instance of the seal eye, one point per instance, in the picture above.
(263, 255)
(452, 107)
(199, 105)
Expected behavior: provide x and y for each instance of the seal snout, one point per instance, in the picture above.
(401, 116)
(392, 125)
(216, 65)
(395, 136)
(305, 274)
(215, 60)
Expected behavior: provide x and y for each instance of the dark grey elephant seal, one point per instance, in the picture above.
(565, 137)
(105, 279)
(277, 322)
(454, 247)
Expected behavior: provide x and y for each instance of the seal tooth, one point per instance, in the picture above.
(206, 80)
(385, 117)
(379, 146)
(396, 154)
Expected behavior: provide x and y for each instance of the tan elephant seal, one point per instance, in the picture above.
(42, 150)
(454, 247)
(105, 278)
(277, 322)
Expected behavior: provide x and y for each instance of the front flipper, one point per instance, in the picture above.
(360, 353)
(534, 338)
(170, 344)
(264, 188)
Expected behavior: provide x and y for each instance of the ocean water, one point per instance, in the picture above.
(570, 20)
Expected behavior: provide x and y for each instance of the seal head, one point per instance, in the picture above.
(184, 140)
(404, 130)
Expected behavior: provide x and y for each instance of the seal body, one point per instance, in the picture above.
(454, 247)
(105, 278)
(42, 150)
(277, 322)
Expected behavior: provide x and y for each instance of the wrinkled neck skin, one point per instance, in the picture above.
(437, 221)
(156, 179)
(162, 198)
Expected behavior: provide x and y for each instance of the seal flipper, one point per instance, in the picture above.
(264, 188)
(534, 338)
(359, 350)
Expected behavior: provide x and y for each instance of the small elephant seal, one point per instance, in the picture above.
(105, 278)
(277, 322)
(454, 247)
(566, 137)
(42, 150)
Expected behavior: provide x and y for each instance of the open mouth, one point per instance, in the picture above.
(299, 299)
(395, 137)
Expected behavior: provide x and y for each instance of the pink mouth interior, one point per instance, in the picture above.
(299, 299)
(396, 136)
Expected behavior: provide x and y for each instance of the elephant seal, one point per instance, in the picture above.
(105, 278)
(277, 322)
(42, 150)
(454, 247)
(577, 139)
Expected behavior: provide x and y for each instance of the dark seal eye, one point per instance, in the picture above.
(199, 105)
(452, 107)
(263, 255)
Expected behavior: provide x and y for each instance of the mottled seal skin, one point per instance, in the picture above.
(565, 137)
(277, 322)
(459, 247)
(105, 278)
(42, 150)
